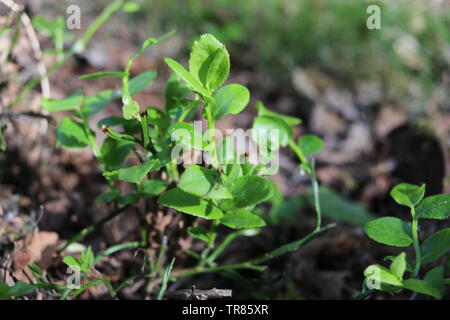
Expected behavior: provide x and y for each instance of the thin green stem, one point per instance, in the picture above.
(253, 263)
(212, 135)
(310, 170)
(298, 152)
(414, 232)
(315, 187)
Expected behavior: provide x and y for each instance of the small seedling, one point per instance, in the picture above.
(405, 273)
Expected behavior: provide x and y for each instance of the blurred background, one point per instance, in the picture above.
(379, 99)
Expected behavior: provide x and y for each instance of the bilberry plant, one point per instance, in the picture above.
(405, 273)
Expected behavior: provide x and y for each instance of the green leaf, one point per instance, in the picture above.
(175, 94)
(115, 152)
(435, 246)
(226, 152)
(131, 110)
(340, 209)
(96, 75)
(434, 207)
(130, 7)
(165, 280)
(197, 180)
(190, 204)
(187, 134)
(20, 288)
(198, 232)
(108, 196)
(158, 118)
(151, 188)
(136, 173)
(398, 266)
(310, 144)
(389, 230)
(407, 194)
(209, 61)
(141, 81)
(192, 83)
(232, 98)
(72, 261)
(71, 134)
(98, 101)
(271, 132)
(383, 275)
(250, 190)
(47, 27)
(242, 219)
(262, 111)
(87, 257)
(432, 284)
(130, 126)
(70, 103)
(232, 172)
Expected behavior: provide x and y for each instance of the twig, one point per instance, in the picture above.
(194, 294)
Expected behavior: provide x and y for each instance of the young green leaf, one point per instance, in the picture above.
(209, 62)
(198, 232)
(263, 111)
(435, 246)
(130, 126)
(108, 196)
(242, 219)
(115, 152)
(131, 110)
(226, 152)
(398, 266)
(389, 230)
(432, 284)
(141, 81)
(175, 94)
(72, 261)
(70, 103)
(151, 188)
(250, 190)
(71, 134)
(190, 204)
(310, 144)
(407, 194)
(98, 101)
(198, 180)
(383, 275)
(434, 207)
(136, 173)
(96, 75)
(187, 134)
(191, 82)
(338, 208)
(271, 132)
(232, 98)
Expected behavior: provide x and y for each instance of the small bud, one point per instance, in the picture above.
(105, 128)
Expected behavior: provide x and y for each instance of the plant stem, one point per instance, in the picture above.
(253, 263)
(315, 186)
(414, 227)
(312, 175)
(212, 137)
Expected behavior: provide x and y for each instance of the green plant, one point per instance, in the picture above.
(398, 233)
(226, 192)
